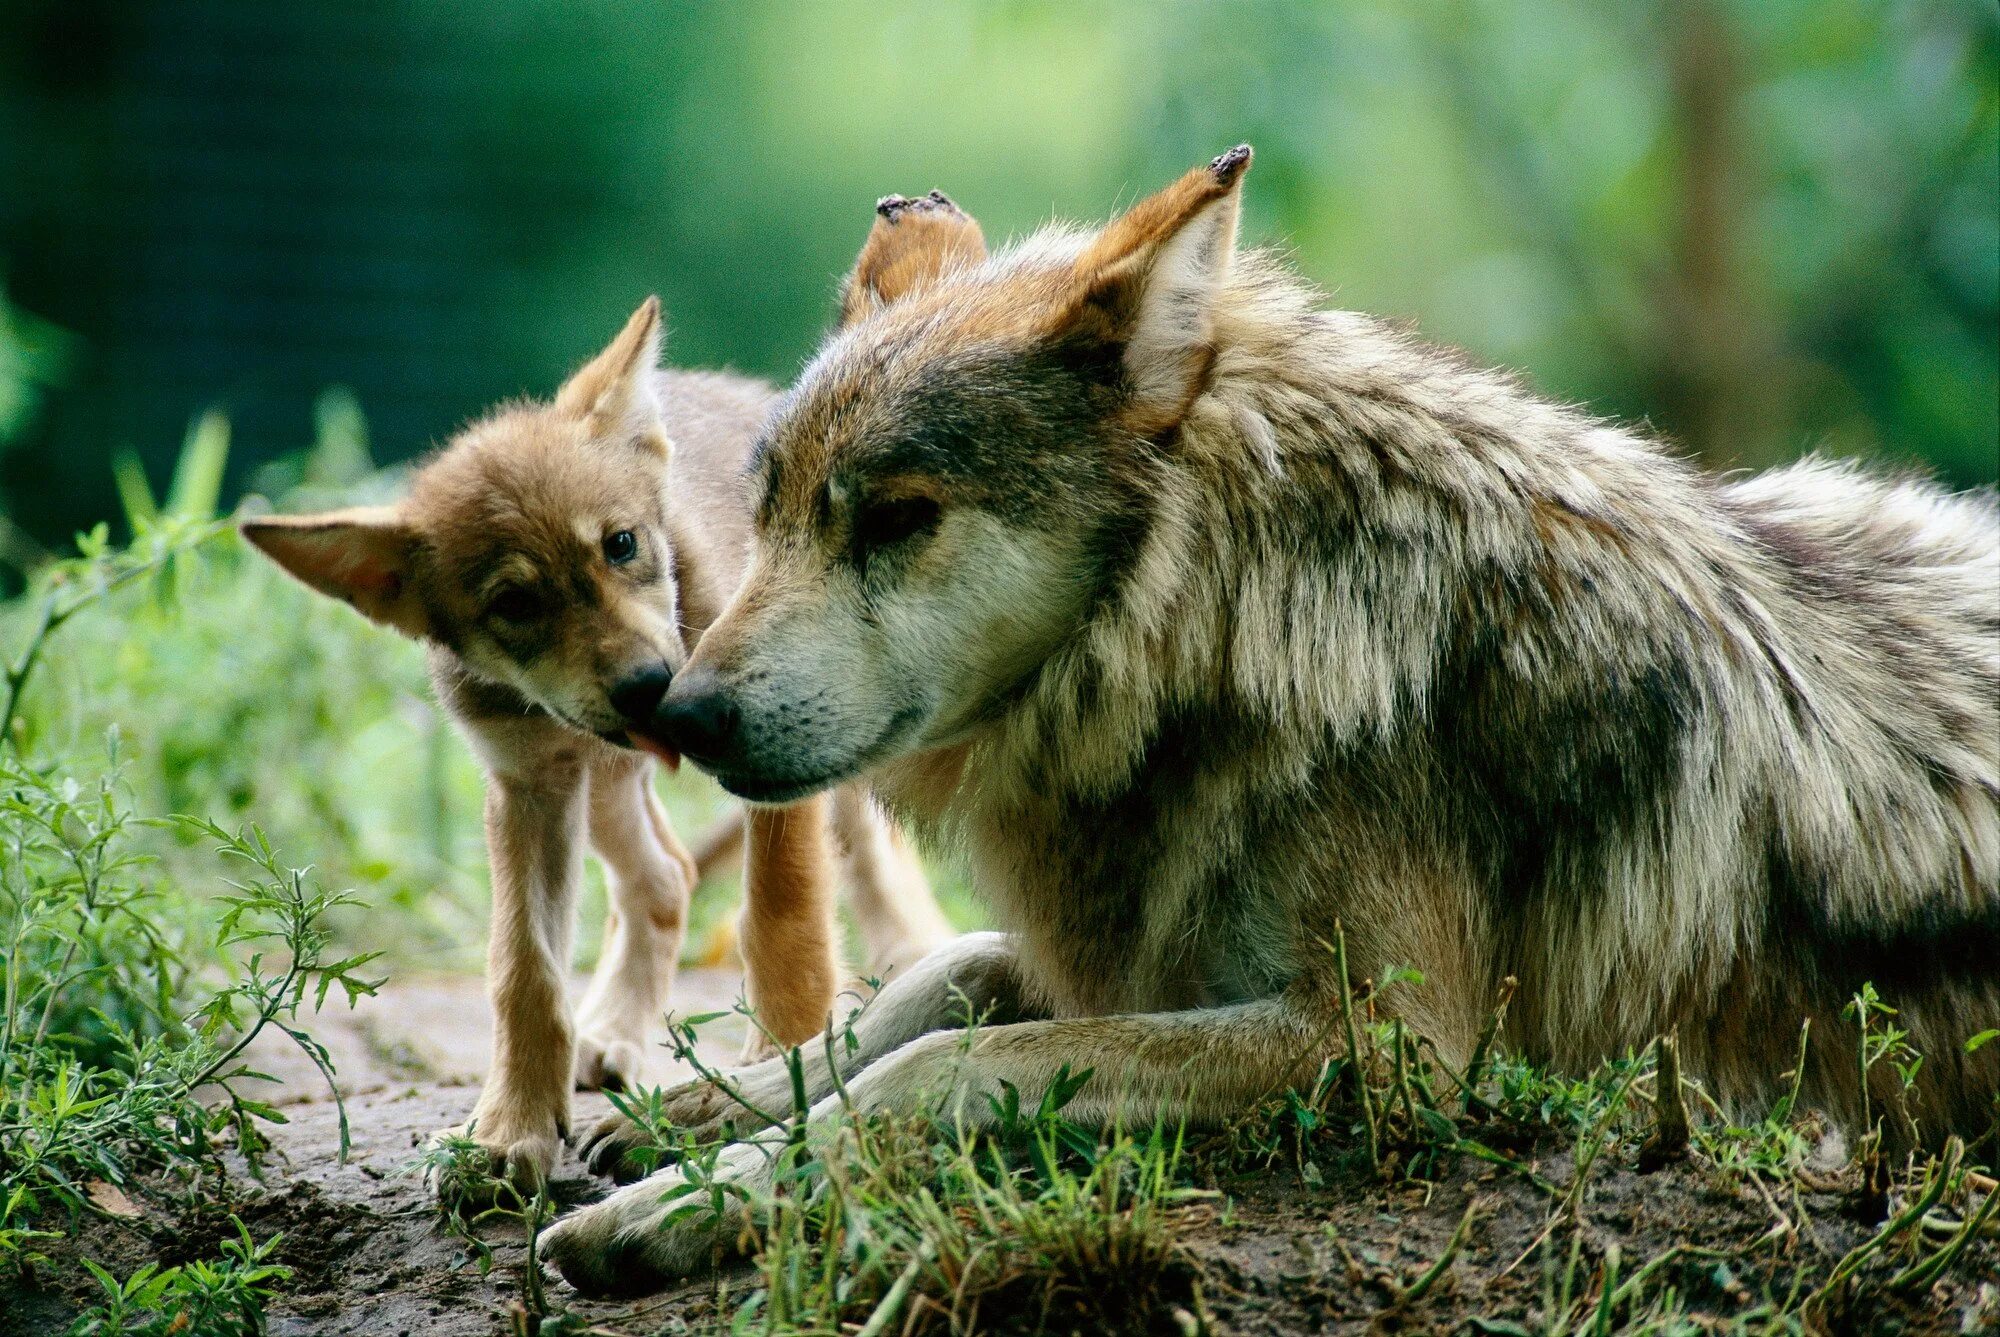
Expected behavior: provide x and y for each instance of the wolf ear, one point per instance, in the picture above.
(1147, 285)
(912, 242)
(362, 555)
(615, 390)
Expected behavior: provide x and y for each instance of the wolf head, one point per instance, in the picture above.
(534, 547)
(961, 474)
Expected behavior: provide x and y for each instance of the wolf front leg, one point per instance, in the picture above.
(534, 843)
(1202, 1065)
(974, 978)
(787, 935)
(650, 877)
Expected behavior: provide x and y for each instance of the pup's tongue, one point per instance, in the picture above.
(668, 757)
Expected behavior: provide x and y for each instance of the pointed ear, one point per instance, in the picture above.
(912, 242)
(1148, 284)
(362, 555)
(615, 389)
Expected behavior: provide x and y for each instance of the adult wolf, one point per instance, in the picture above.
(1201, 619)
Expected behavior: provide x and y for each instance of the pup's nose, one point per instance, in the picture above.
(636, 696)
(698, 718)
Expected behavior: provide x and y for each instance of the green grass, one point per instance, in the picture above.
(921, 1226)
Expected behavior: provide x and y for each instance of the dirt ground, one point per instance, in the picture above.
(1283, 1256)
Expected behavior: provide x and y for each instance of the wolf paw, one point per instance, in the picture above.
(701, 1110)
(520, 1157)
(606, 1062)
(654, 1231)
(617, 1149)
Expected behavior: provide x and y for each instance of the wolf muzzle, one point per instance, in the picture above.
(698, 717)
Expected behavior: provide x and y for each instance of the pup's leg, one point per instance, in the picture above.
(790, 945)
(649, 877)
(887, 890)
(972, 978)
(1203, 1065)
(715, 851)
(721, 846)
(534, 843)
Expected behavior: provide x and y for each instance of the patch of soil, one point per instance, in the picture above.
(1276, 1255)
(361, 1236)
(1289, 1257)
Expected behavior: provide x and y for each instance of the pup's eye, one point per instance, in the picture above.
(514, 603)
(882, 524)
(621, 547)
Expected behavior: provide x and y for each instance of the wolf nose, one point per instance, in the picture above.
(699, 719)
(636, 696)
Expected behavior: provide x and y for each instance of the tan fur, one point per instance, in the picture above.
(518, 508)
(911, 243)
(898, 922)
(786, 933)
(1239, 622)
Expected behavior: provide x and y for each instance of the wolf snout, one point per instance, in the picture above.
(699, 718)
(637, 695)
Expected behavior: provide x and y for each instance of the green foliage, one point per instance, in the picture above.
(121, 1045)
(33, 357)
(92, 954)
(1532, 179)
(908, 1214)
(224, 1297)
(1884, 1042)
(130, 993)
(471, 1198)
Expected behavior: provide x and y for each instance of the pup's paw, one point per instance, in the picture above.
(608, 1062)
(757, 1047)
(654, 1231)
(517, 1155)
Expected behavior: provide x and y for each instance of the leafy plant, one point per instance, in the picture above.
(129, 1000)
(471, 1197)
(224, 1297)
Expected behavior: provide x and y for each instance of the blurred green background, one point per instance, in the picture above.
(1766, 226)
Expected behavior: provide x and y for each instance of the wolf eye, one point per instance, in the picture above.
(514, 603)
(883, 524)
(621, 547)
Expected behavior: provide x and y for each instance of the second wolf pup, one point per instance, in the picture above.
(557, 559)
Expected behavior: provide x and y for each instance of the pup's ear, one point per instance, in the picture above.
(615, 390)
(362, 555)
(1147, 284)
(912, 242)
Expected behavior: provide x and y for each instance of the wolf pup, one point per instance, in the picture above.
(1210, 623)
(556, 559)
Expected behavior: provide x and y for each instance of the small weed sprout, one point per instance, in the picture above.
(1882, 1041)
(470, 1197)
(224, 1297)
